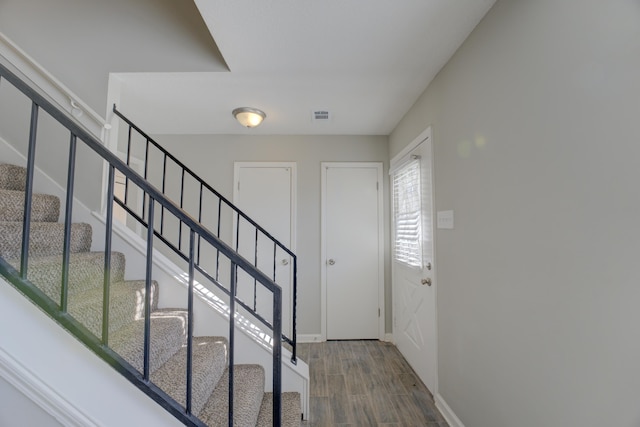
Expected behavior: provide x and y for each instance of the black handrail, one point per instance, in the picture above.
(58, 311)
(238, 213)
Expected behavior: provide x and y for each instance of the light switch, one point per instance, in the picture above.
(444, 220)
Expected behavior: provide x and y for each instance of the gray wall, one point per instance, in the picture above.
(535, 126)
(213, 156)
(52, 148)
(81, 42)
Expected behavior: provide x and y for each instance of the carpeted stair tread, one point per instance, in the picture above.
(12, 177)
(86, 271)
(44, 207)
(168, 335)
(291, 410)
(248, 389)
(45, 238)
(126, 305)
(208, 363)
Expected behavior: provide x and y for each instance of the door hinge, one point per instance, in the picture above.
(378, 312)
(377, 186)
(238, 185)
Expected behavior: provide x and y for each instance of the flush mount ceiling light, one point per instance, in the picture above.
(249, 117)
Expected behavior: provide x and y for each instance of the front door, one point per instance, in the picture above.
(352, 250)
(266, 193)
(414, 281)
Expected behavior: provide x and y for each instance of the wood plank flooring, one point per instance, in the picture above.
(365, 383)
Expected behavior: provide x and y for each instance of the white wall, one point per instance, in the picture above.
(70, 389)
(535, 126)
(212, 157)
(16, 409)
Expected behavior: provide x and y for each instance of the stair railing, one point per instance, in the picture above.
(144, 144)
(58, 309)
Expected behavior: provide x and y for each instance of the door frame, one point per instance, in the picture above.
(395, 161)
(323, 243)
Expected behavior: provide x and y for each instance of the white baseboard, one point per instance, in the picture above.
(309, 338)
(41, 394)
(447, 412)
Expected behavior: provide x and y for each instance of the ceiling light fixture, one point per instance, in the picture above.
(249, 117)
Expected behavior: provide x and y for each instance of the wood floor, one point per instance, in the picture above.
(365, 383)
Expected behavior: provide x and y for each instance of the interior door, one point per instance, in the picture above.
(352, 239)
(266, 193)
(415, 287)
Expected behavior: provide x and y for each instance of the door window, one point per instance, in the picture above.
(407, 213)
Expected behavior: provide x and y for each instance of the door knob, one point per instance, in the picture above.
(331, 262)
(426, 281)
(285, 262)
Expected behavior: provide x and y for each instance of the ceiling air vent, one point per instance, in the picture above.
(320, 116)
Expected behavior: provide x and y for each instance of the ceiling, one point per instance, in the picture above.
(365, 63)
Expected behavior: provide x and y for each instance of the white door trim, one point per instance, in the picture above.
(400, 158)
(397, 161)
(323, 245)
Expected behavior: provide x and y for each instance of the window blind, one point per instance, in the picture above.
(407, 208)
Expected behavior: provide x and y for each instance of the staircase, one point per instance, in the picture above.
(168, 331)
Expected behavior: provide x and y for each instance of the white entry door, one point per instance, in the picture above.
(266, 193)
(414, 285)
(352, 251)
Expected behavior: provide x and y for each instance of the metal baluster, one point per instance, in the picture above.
(147, 294)
(255, 280)
(164, 180)
(237, 242)
(232, 324)
(66, 246)
(181, 207)
(237, 230)
(294, 334)
(200, 220)
(218, 235)
(126, 178)
(190, 321)
(277, 356)
(146, 168)
(107, 257)
(26, 224)
(275, 256)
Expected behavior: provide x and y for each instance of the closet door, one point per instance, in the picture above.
(266, 193)
(352, 243)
